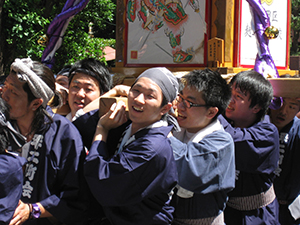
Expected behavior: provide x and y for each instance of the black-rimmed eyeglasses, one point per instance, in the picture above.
(187, 103)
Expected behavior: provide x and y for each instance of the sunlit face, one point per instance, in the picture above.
(286, 113)
(14, 94)
(82, 90)
(144, 103)
(239, 110)
(195, 118)
(62, 80)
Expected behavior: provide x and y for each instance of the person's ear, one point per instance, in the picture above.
(166, 108)
(36, 103)
(256, 109)
(212, 112)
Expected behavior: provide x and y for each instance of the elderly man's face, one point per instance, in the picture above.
(286, 113)
(14, 94)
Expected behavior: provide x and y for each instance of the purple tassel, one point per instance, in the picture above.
(264, 60)
(58, 27)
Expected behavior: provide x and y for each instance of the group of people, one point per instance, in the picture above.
(190, 150)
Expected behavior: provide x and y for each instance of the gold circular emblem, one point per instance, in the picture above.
(268, 2)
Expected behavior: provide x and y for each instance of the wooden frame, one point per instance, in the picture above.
(157, 40)
(279, 14)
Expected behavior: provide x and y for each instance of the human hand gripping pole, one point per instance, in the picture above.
(115, 117)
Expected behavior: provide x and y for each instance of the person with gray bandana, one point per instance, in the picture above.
(130, 167)
(52, 188)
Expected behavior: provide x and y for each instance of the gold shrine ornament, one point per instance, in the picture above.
(271, 32)
(43, 40)
(268, 2)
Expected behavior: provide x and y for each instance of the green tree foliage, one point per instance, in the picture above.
(26, 21)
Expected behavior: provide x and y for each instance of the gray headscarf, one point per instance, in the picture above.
(23, 68)
(165, 79)
(169, 86)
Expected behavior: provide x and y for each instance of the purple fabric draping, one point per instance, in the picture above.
(58, 27)
(264, 63)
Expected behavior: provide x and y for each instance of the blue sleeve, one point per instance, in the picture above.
(294, 165)
(144, 168)
(65, 172)
(86, 125)
(11, 181)
(256, 147)
(207, 166)
(287, 182)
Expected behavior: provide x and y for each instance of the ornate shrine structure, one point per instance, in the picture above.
(184, 35)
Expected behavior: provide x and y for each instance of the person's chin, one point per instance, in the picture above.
(181, 121)
(228, 113)
(75, 108)
(279, 122)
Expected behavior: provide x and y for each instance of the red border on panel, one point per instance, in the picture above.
(239, 10)
(206, 36)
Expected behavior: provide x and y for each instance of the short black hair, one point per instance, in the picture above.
(65, 71)
(259, 89)
(93, 68)
(213, 87)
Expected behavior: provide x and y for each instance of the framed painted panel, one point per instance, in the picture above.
(278, 12)
(166, 32)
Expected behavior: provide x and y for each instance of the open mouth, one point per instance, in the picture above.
(137, 109)
(181, 116)
(280, 119)
(229, 108)
(79, 104)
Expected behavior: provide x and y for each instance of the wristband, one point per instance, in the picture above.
(36, 211)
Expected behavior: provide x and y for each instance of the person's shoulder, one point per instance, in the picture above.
(94, 112)
(65, 132)
(264, 130)
(220, 137)
(62, 123)
(223, 134)
(158, 132)
(61, 119)
(55, 116)
(295, 127)
(265, 123)
(11, 161)
(224, 121)
(154, 139)
(297, 121)
(91, 115)
(221, 118)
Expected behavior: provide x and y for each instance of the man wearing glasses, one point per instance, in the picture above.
(203, 151)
